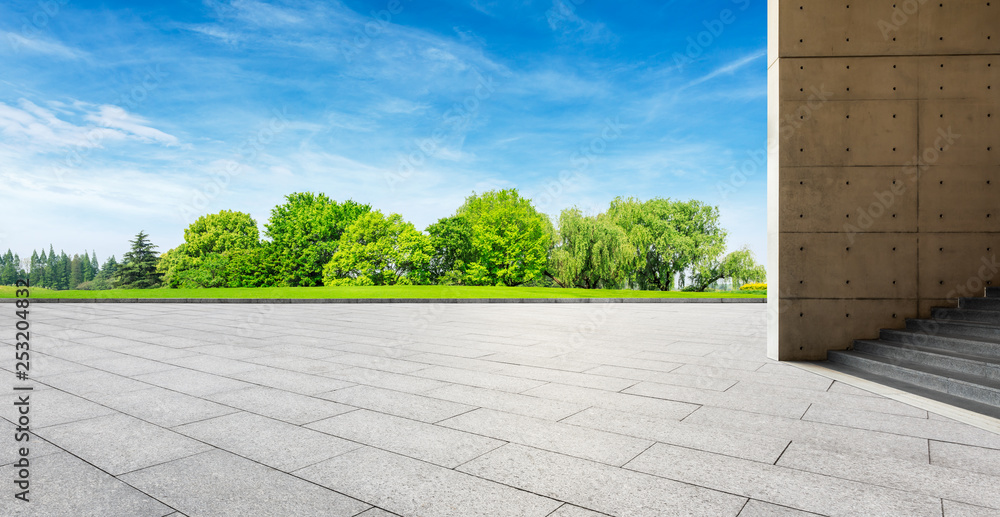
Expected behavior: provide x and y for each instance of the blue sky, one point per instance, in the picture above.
(117, 117)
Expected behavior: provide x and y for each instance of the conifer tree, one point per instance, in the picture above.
(138, 267)
(75, 272)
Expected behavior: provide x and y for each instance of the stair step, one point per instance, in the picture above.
(960, 385)
(983, 304)
(942, 313)
(980, 346)
(972, 329)
(993, 292)
(976, 366)
(983, 409)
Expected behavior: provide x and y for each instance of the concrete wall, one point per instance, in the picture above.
(883, 165)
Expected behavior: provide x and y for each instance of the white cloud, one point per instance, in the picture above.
(40, 46)
(562, 17)
(28, 127)
(729, 67)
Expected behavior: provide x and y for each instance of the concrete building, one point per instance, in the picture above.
(883, 165)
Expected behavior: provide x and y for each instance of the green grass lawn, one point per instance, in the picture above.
(419, 291)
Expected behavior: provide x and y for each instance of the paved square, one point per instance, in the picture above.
(463, 410)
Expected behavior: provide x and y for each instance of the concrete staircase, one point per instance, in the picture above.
(954, 357)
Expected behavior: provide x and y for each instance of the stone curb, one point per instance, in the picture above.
(398, 300)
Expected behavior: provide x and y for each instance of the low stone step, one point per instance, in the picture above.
(965, 386)
(973, 329)
(982, 304)
(960, 344)
(944, 313)
(978, 407)
(977, 366)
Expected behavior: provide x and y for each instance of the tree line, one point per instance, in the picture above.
(495, 238)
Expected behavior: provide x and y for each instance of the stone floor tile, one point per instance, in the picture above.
(282, 405)
(564, 377)
(692, 381)
(832, 437)
(120, 443)
(59, 407)
(295, 382)
(749, 446)
(782, 486)
(410, 487)
(508, 402)
(756, 508)
(814, 382)
(221, 484)
(600, 487)
(297, 364)
(62, 485)
(274, 443)
(435, 444)
(387, 380)
(198, 384)
(965, 457)
(760, 402)
(376, 362)
(620, 401)
(932, 480)
(568, 510)
(906, 426)
(877, 405)
(953, 509)
(580, 442)
(486, 380)
(406, 405)
(91, 381)
(163, 407)
(213, 364)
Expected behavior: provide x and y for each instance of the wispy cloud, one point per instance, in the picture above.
(29, 127)
(19, 43)
(729, 67)
(563, 18)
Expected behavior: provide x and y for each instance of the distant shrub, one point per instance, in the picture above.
(756, 286)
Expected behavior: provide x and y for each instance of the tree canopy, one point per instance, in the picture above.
(669, 237)
(219, 250)
(497, 238)
(380, 250)
(138, 267)
(591, 252)
(304, 232)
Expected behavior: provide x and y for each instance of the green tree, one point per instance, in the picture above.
(304, 232)
(379, 250)
(37, 274)
(451, 238)
(63, 268)
(138, 267)
(669, 237)
(590, 252)
(508, 240)
(86, 269)
(51, 269)
(8, 274)
(206, 257)
(740, 266)
(105, 277)
(75, 272)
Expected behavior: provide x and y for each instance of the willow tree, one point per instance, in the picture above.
(668, 237)
(740, 266)
(590, 252)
